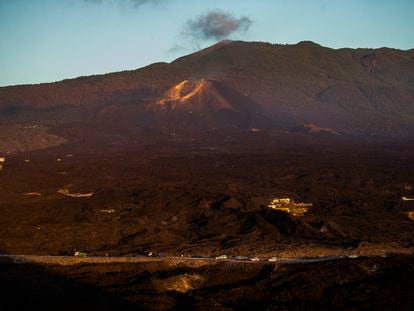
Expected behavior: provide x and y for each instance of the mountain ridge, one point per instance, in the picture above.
(218, 44)
(357, 91)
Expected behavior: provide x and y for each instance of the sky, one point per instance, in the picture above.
(51, 40)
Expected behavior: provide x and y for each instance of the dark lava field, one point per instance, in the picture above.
(197, 201)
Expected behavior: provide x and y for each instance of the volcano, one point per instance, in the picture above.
(207, 104)
(198, 96)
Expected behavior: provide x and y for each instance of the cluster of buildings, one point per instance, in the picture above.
(289, 205)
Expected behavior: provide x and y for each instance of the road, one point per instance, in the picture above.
(72, 260)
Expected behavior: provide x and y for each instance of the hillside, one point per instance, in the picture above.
(355, 91)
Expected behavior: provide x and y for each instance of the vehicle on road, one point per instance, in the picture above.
(274, 259)
(80, 254)
(222, 257)
(154, 254)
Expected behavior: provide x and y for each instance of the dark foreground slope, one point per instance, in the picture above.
(351, 284)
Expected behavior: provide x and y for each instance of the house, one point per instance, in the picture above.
(282, 200)
(290, 206)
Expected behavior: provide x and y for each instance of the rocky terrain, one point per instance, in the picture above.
(185, 198)
(26, 137)
(184, 159)
(352, 284)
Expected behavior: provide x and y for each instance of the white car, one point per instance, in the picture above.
(255, 259)
(222, 257)
(273, 259)
(80, 254)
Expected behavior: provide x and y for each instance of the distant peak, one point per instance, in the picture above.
(203, 82)
(213, 47)
(223, 42)
(308, 43)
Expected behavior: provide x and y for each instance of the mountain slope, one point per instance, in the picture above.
(206, 104)
(357, 91)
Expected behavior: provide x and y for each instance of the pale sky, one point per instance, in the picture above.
(50, 40)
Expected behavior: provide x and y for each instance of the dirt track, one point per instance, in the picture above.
(71, 260)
